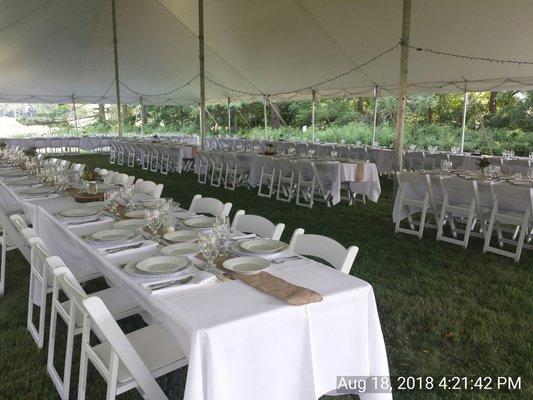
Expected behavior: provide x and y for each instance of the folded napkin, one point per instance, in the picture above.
(147, 249)
(274, 286)
(200, 278)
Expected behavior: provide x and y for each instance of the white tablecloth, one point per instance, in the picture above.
(243, 344)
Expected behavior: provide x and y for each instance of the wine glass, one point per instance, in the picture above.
(209, 246)
(154, 219)
(221, 227)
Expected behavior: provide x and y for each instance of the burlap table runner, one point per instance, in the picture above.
(360, 172)
(272, 285)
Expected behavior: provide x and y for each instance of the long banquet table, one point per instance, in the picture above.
(241, 343)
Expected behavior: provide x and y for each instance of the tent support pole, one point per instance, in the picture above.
(202, 70)
(115, 55)
(376, 90)
(142, 114)
(463, 126)
(402, 87)
(265, 116)
(313, 116)
(75, 114)
(229, 116)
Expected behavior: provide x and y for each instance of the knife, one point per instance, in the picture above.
(162, 285)
(117, 249)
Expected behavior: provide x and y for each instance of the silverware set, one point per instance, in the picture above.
(180, 281)
(119, 249)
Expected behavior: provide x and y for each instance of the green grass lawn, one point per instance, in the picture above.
(444, 310)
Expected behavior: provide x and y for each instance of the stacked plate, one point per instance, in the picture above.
(181, 249)
(259, 247)
(38, 191)
(23, 182)
(11, 173)
(159, 265)
(181, 236)
(130, 224)
(135, 214)
(199, 222)
(246, 265)
(113, 236)
(78, 213)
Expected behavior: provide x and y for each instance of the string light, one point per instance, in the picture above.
(161, 94)
(465, 57)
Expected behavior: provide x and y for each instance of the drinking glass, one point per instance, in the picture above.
(530, 174)
(333, 154)
(531, 156)
(154, 219)
(221, 227)
(209, 246)
(517, 176)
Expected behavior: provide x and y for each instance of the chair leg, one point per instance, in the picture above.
(3, 243)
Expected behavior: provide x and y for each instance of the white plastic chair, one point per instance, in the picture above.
(148, 187)
(39, 286)
(209, 205)
(126, 361)
(325, 248)
(512, 206)
(256, 224)
(459, 202)
(120, 305)
(415, 196)
(268, 175)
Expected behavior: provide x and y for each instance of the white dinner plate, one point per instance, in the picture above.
(261, 246)
(12, 173)
(246, 265)
(163, 264)
(199, 222)
(113, 235)
(36, 191)
(78, 212)
(522, 183)
(181, 249)
(22, 182)
(184, 214)
(96, 204)
(135, 214)
(130, 224)
(181, 236)
(105, 186)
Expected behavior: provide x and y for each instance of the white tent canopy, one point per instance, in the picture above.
(51, 50)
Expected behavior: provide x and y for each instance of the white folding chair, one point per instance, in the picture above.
(119, 304)
(126, 361)
(154, 159)
(459, 202)
(268, 176)
(414, 196)
(40, 285)
(285, 170)
(261, 226)
(324, 248)
(202, 167)
(148, 187)
(512, 206)
(209, 205)
(217, 166)
(305, 188)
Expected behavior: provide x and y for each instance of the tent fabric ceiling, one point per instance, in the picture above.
(52, 50)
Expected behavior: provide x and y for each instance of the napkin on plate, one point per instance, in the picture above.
(200, 278)
(147, 249)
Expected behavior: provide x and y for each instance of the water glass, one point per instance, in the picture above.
(221, 227)
(517, 176)
(530, 174)
(208, 243)
(154, 219)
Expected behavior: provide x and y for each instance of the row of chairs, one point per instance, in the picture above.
(455, 200)
(128, 361)
(305, 181)
(153, 157)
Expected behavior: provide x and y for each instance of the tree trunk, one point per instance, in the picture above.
(360, 105)
(124, 112)
(492, 103)
(144, 115)
(101, 112)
